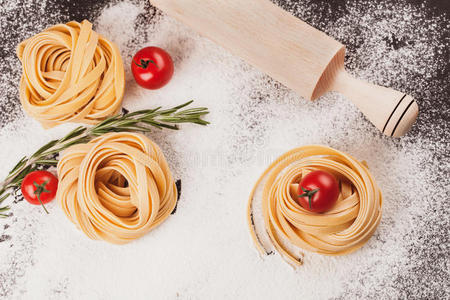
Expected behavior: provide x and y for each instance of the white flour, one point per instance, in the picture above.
(204, 249)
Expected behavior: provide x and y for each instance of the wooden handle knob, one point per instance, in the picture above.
(391, 111)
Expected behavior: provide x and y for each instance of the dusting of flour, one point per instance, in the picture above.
(204, 250)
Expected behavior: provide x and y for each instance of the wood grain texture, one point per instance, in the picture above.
(263, 34)
(292, 52)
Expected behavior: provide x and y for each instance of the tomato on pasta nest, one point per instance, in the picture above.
(318, 191)
(342, 229)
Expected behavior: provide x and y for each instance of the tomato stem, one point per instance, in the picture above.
(144, 63)
(40, 188)
(309, 194)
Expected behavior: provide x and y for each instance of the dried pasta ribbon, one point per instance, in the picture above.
(117, 187)
(341, 230)
(70, 74)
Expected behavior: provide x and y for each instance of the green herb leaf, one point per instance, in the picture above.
(44, 148)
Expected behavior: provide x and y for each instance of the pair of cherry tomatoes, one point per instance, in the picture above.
(318, 190)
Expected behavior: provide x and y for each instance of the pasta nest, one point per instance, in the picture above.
(70, 73)
(116, 187)
(342, 229)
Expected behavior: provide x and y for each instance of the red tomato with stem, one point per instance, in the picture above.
(318, 191)
(39, 187)
(152, 67)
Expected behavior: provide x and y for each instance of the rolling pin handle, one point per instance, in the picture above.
(391, 111)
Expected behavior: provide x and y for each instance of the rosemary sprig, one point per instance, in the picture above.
(142, 120)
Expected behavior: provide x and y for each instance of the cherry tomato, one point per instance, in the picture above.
(152, 67)
(318, 191)
(39, 187)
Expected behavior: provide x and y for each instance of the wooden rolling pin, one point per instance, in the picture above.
(294, 53)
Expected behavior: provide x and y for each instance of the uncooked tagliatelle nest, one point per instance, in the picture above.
(342, 229)
(70, 74)
(117, 187)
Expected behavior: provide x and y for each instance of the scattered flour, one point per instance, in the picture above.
(204, 249)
